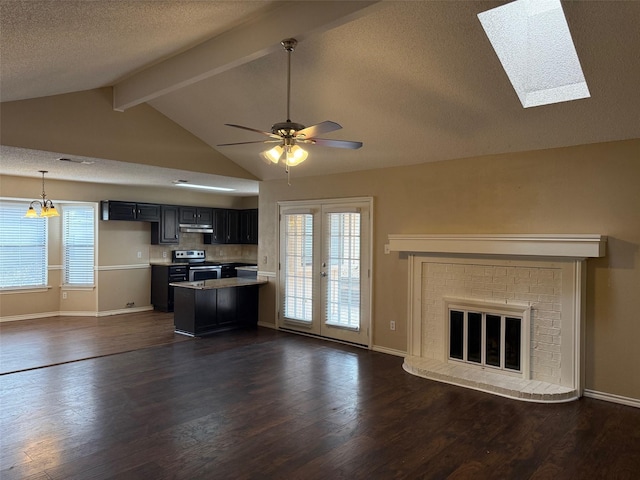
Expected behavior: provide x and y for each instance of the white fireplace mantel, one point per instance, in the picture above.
(548, 245)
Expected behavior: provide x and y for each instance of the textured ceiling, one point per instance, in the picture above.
(416, 81)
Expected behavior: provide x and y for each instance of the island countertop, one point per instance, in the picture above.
(219, 283)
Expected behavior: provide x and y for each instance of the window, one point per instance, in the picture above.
(23, 247)
(78, 244)
(298, 266)
(343, 271)
(534, 45)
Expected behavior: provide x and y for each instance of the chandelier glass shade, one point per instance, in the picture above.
(47, 209)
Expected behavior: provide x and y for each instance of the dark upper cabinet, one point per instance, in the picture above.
(249, 226)
(233, 226)
(226, 224)
(229, 225)
(219, 234)
(196, 215)
(167, 231)
(142, 212)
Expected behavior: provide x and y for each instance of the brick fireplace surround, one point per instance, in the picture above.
(544, 275)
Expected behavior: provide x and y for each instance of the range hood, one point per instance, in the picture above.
(195, 228)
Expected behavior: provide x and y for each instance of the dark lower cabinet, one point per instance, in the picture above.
(162, 294)
(201, 312)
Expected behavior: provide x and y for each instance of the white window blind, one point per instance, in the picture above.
(343, 270)
(23, 247)
(298, 297)
(78, 244)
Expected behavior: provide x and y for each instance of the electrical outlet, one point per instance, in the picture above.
(264, 259)
(392, 325)
(64, 295)
(164, 254)
(139, 254)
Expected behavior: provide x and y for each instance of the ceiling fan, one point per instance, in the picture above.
(288, 135)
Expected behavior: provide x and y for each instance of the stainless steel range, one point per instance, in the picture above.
(199, 268)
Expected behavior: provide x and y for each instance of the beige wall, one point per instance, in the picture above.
(583, 189)
(85, 124)
(122, 277)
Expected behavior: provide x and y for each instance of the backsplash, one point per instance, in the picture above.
(193, 241)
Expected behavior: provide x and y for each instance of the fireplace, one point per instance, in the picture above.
(498, 313)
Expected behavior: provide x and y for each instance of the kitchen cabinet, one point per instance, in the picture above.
(226, 224)
(196, 216)
(203, 308)
(233, 226)
(162, 294)
(249, 226)
(132, 211)
(167, 230)
(230, 226)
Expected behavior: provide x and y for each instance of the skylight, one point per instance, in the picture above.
(534, 45)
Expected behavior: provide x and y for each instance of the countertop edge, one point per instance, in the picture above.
(213, 284)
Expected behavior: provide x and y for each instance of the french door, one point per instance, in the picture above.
(324, 277)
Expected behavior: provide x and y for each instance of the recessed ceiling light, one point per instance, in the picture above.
(204, 187)
(534, 45)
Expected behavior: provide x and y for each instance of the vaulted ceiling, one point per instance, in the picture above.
(415, 81)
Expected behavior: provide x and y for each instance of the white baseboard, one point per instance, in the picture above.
(33, 316)
(120, 311)
(610, 397)
(389, 351)
(76, 314)
(28, 316)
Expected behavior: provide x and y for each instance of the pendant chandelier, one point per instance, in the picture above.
(46, 206)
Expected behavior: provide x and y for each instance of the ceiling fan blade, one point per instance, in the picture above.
(319, 129)
(247, 143)
(268, 134)
(325, 142)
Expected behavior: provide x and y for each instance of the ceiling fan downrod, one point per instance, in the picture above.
(289, 45)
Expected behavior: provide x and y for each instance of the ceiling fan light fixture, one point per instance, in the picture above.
(273, 155)
(287, 133)
(295, 155)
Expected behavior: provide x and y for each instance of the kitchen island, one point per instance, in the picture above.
(209, 306)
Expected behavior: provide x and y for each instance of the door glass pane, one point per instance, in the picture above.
(474, 337)
(298, 266)
(512, 343)
(493, 340)
(343, 270)
(456, 334)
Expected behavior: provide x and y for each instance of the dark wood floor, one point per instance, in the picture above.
(29, 344)
(271, 405)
